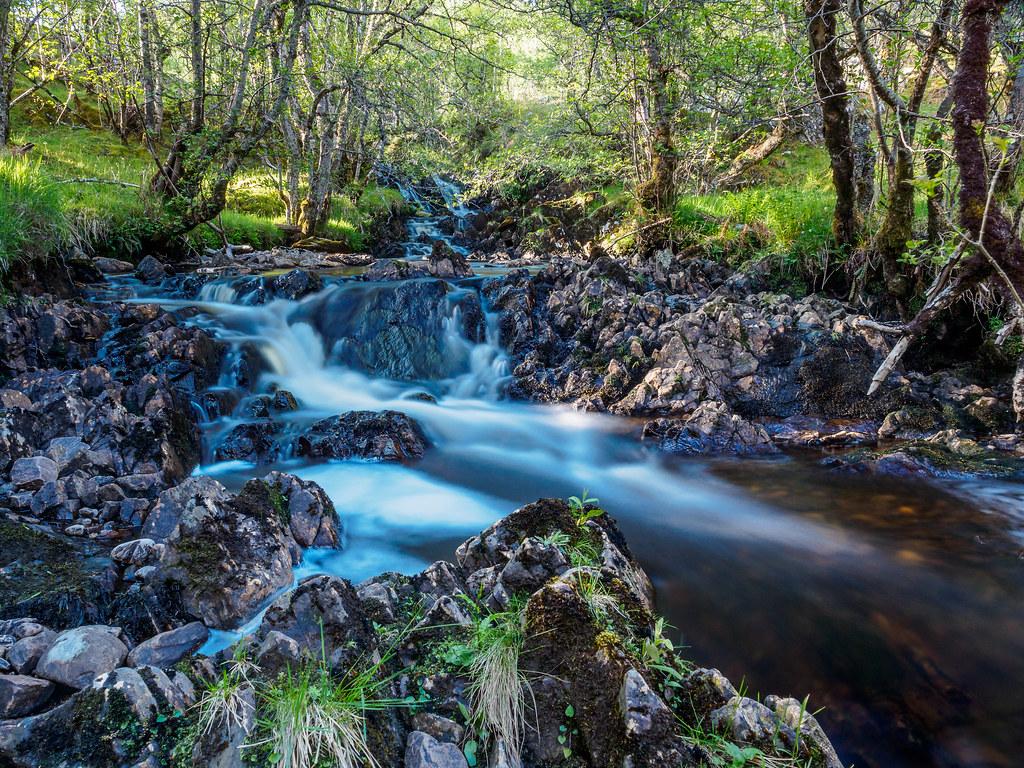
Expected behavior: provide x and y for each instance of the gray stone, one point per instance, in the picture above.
(441, 728)
(129, 682)
(25, 654)
(22, 695)
(196, 497)
(639, 705)
(746, 721)
(424, 751)
(168, 648)
(136, 552)
(78, 655)
(32, 472)
(66, 452)
(311, 515)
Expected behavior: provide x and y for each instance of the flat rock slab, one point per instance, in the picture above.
(78, 655)
(168, 648)
(22, 695)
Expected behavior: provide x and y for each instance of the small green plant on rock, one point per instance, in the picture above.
(584, 508)
(224, 703)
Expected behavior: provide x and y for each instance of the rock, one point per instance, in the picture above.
(533, 565)
(137, 552)
(639, 706)
(383, 436)
(129, 683)
(152, 270)
(324, 616)
(79, 655)
(813, 741)
(221, 747)
(113, 266)
(227, 554)
(749, 722)
(193, 498)
(296, 284)
(249, 442)
(21, 695)
(424, 751)
(444, 262)
(711, 428)
(33, 472)
(168, 648)
(24, 655)
(440, 728)
(310, 512)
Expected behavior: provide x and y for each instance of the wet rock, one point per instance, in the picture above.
(379, 435)
(21, 695)
(446, 263)
(323, 615)
(137, 552)
(227, 553)
(79, 655)
(33, 473)
(168, 648)
(533, 564)
(296, 284)
(113, 266)
(711, 428)
(249, 442)
(424, 751)
(308, 509)
(152, 270)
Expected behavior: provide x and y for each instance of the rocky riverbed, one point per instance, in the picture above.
(117, 562)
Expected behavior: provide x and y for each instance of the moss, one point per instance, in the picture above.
(280, 503)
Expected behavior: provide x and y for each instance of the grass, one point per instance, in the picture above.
(32, 223)
(84, 187)
(224, 703)
(497, 688)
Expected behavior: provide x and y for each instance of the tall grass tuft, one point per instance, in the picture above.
(32, 222)
(498, 688)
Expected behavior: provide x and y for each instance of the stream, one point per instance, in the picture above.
(897, 605)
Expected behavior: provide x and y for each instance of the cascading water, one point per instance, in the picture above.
(776, 569)
(427, 226)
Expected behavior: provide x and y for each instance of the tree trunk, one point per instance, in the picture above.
(830, 83)
(5, 73)
(755, 154)
(659, 190)
(147, 74)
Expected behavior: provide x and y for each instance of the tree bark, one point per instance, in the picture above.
(6, 77)
(659, 190)
(830, 83)
(147, 74)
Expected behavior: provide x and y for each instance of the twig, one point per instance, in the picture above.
(115, 182)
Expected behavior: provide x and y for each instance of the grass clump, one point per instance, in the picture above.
(32, 222)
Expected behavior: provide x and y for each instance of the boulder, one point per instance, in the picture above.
(168, 648)
(113, 266)
(78, 655)
(249, 442)
(296, 284)
(227, 554)
(152, 270)
(711, 428)
(310, 512)
(377, 435)
(424, 751)
(33, 472)
(24, 655)
(324, 617)
(22, 695)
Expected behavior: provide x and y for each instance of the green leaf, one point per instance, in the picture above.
(469, 750)
(569, 711)
(566, 752)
